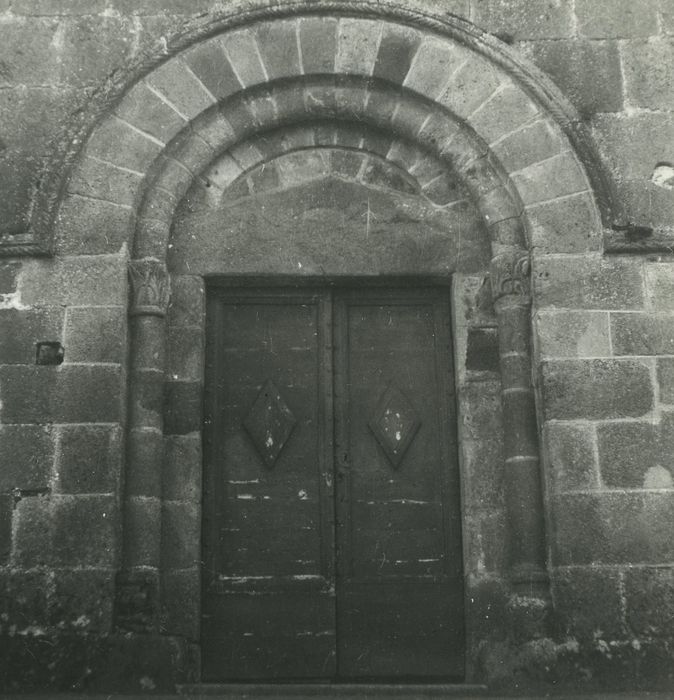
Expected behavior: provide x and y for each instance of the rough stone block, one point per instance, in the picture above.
(67, 394)
(587, 72)
(32, 528)
(619, 19)
(208, 62)
(180, 602)
(532, 143)
(96, 334)
(557, 177)
(587, 602)
(470, 86)
(486, 547)
(517, 19)
(89, 459)
(26, 456)
(74, 281)
(665, 367)
(93, 47)
(99, 180)
(181, 473)
(181, 531)
(434, 62)
(181, 87)
(642, 334)
(628, 452)
(646, 203)
(659, 285)
(509, 109)
(118, 143)
(358, 43)
(145, 409)
(613, 528)
(632, 144)
(78, 230)
(573, 333)
(588, 282)
(649, 78)
(21, 330)
(649, 597)
(397, 48)
(318, 41)
(29, 52)
(482, 472)
(82, 601)
(242, 51)
(23, 599)
(480, 410)
(571, 450)
(186, 353)
(568, 225)
(85, 529)
(596, 389)
(279, 48)
(145, 110)
(182, 407)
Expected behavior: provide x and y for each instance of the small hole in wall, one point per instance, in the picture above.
(49, 353)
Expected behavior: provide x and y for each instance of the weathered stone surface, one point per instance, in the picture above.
(182, 407)
(96, 334)
(587, 72)
(642, 334)
(23, 599)
(26, 455)
(632, 144)
(318, 41)
(142, 534)
(613, 528)
(32, 530)
(397, 48)
(180, 535)
(659, 285)
(665, 367)
(649, 78)
(435, 60)
(567, 225)
(486, 546)
(9, 272)
(595, 389)
(74, 281)
(85, 530)
(180, 602)
(571, 451)
(279, 48)
(627, 452)
(573, 333)
(482, 464)
(67, 394)
(514, 19)
(118, 143)
(620, 19)
(649, 598)
(358, 42)
(22, 329)
(241, 49)
(530, 144)
(6, 510)
(588, 282)
(93, 47)
(208, 62)
(557, 177)
(143, 467)
(82, 600)
(89, 459)
(587, 602)
(181, 87)
(28, 53)
(186, 307)
(94, 178)
(181, 471)
(508, 109)
(185, 353)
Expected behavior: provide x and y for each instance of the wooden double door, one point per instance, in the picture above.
(331, 532)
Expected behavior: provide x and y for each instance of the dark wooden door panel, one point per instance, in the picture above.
(303, 579)
(268, 500)
(399, 578)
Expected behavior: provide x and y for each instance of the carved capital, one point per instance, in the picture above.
(149, 288)
(510, 275)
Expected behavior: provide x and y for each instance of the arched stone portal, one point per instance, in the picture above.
(424, 100)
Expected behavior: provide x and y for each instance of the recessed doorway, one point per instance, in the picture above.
(331, 519)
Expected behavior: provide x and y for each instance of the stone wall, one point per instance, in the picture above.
(603, 339)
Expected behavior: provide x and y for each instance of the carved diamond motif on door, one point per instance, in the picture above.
(269, 423)
(394, 424)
